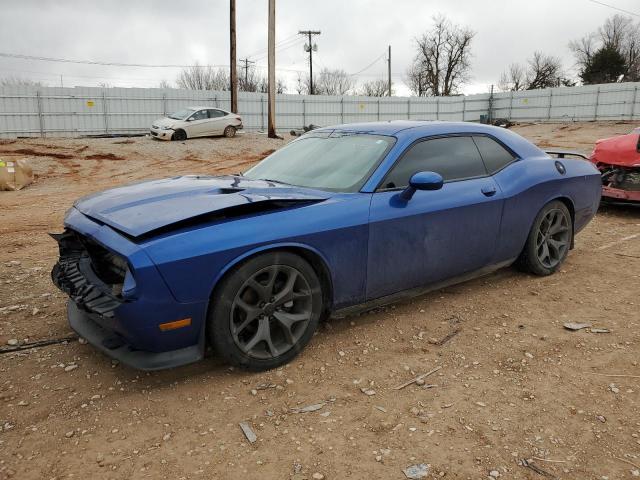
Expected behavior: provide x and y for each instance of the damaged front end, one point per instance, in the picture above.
(92, 276)
(620, 183)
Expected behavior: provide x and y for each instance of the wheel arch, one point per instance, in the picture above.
(314, 257)
(567, 203)
(572, 212)
(186, 135)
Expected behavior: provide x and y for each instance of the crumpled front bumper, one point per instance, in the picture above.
(92, 328)
(128, 325)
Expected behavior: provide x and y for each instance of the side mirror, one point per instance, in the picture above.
(190, 119)
(422, 181)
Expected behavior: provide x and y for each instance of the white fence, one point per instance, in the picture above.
(53, 111)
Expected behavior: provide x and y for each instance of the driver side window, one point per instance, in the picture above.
(199, 115)
(455, 158)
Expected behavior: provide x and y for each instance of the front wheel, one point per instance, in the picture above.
(180, 135)
(549, 240)
(265, 311)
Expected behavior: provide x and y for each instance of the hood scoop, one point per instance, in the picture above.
(147, 207)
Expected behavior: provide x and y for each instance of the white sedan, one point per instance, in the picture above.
(196, 122)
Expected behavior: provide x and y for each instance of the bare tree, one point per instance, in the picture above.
(544, 71)
(513, 79)
(375, 88)
(416, 80)
(12, 81)
(333, 82)
(252, 81)
(541, 71)
(443, 60)
(618, 33)
(200, 77)
(164, 84)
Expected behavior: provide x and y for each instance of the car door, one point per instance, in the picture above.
(218, 121)
(436, 235)
(197, 123)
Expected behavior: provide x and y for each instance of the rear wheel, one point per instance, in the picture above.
(230, 131)
(549, 240)
(265, 311)
(180, 135)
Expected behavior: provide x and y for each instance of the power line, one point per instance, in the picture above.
(368, 66)
(281, 42)
(615, 8)
(280, 48)
(98, 62)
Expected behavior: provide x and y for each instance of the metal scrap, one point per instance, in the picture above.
(248, 432)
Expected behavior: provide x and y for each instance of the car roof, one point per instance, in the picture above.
(410, 130)
(203, 107)
(423, 127)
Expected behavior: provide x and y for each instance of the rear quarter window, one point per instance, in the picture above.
(495, 156)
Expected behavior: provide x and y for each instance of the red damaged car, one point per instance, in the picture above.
(618, 160)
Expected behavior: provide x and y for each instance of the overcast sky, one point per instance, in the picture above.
(354, 34)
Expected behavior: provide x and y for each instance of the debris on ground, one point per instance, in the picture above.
(248, 432)
(419, 377)
(309, 408)
(416, 471)
(576, 326)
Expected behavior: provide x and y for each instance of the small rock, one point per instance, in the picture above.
(368, 391)
(317, 476)
(599, 330)
(528, 355)
(378, 458)
(254, 391)
(481, 404)
(341, 353)
(494, 473)
(420, 382)
(12, 342)
(82, 341)
(601, 418)
(69, 434)
(613, 388)
(70, 368)
(23, 403)
(166, 436)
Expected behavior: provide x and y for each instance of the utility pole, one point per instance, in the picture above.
(271, 71)
(232, 61)
(310, 47)
(389, 65)
(246, 62)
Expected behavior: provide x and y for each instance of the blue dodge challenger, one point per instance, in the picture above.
(343, 218)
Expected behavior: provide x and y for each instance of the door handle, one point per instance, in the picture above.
(489, 191)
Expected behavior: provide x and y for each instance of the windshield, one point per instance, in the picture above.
(181, 114)
(336, 161)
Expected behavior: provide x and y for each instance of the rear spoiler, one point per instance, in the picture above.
(566, 153)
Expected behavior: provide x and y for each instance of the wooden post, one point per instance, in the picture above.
(232, 60)
(271, 67)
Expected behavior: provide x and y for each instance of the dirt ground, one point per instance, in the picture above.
(513, 384)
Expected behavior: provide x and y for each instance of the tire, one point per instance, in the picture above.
(265, 311)
(549, 240)
(230, 131)
(179, 135)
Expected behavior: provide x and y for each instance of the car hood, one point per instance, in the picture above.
(622, 151)
(166, 122)
(142, 208)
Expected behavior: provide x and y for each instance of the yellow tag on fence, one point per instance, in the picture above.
(90, 103)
